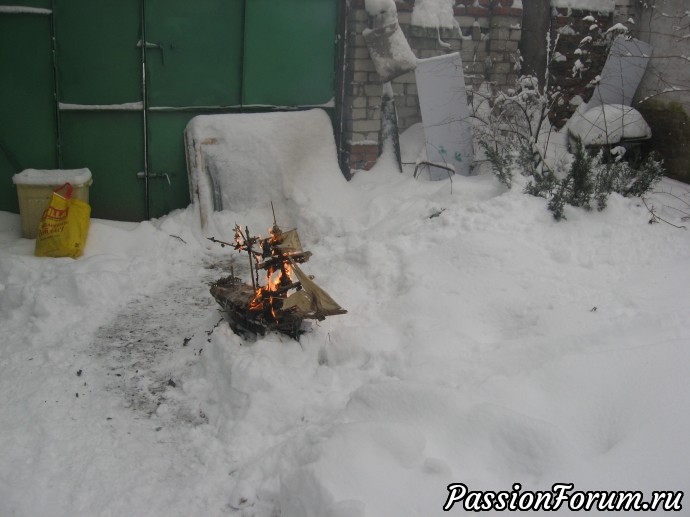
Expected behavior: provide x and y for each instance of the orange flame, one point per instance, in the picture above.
(278, 275)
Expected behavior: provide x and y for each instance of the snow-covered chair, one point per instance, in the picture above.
(246, 161)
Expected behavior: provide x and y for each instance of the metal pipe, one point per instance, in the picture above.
(144, 94)
(242, 63)
(56, 87)
(341, 85)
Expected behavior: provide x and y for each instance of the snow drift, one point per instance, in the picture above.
(484, 344)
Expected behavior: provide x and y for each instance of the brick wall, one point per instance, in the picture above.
(487, 39)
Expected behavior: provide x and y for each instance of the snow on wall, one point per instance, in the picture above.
(377, 7)
(434, 13)
(126, 106)
(601, 6)
(20, 9)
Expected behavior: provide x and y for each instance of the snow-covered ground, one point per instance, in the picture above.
(485, 344)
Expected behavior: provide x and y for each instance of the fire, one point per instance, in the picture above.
(282, 302)
(269, 298)
(278, 277)
(288, 271)
(274, 255)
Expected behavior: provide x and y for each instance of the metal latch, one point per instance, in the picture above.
(155, 175)
(155, 46)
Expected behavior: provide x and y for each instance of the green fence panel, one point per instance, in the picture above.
(194, 52)
(193, 60)
(168, 184)
(98, 53)
(27, 104)
(205, 56)
(39, 4)
(101, 101)
(111, 144)
(289, 54)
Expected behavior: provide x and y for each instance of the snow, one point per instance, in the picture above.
(485, 344)
(600, 6)
(389, 51)
(127, 106)
(617, 28)
(20, 9)
(244, 162)
(388, 48)
(609, 124)
(378, 7)
(434, 14)
(52, 177)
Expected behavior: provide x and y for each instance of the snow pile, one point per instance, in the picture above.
(485, 344)
(244, 162)
(434, 13)
(609, 124)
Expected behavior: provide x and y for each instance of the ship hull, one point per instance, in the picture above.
(235, 298)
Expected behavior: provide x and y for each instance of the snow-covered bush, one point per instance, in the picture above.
(586, 181)
(593, 177)
(515, 133)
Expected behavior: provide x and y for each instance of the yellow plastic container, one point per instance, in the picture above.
(34, 188)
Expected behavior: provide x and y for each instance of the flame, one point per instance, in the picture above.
(277, 277)
(257, 303)
(267, 299)
(273, 280)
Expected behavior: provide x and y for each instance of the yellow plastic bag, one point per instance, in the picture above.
(64, 225)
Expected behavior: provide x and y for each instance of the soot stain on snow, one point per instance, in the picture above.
(149, 345)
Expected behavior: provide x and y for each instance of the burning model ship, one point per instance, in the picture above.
(282, 303)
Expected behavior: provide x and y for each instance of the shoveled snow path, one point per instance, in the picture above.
(111, 403)
(148, 345)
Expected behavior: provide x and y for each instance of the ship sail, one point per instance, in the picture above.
(312, 301)
(290, 242)
(288, 245)
(299, 303)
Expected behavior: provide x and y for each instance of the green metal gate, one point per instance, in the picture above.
(124, 77)
(27, 104)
